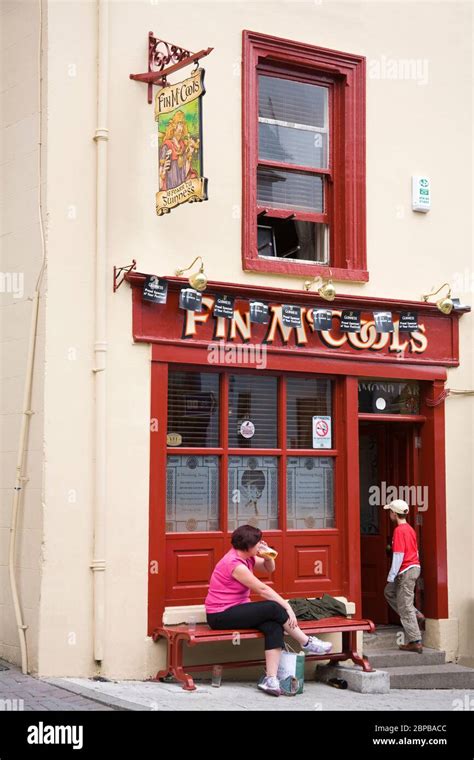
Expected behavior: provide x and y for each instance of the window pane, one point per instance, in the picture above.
(293, 239)
(310, 493)
(306, 397)
(292, 190)
(292, 146)
(253, 492)
(389, 396)
(293, 122)
(292, 101)
(192, 493)
(193, 407)
(252, 399)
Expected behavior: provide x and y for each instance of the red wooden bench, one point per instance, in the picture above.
(200, 633)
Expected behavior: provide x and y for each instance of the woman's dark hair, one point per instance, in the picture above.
(245, 537)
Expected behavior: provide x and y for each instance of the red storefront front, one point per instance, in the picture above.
(376, 399)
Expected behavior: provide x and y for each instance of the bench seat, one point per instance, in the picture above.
(200, 633)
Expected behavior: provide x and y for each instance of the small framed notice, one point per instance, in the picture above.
(322, 432)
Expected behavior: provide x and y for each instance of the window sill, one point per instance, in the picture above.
(298, 269)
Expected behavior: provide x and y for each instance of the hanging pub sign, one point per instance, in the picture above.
(224, 307)
(178, 113)
(190, 299)
(322, 319)
(155, 289)
(350, 321)
(291, 316)
(259, 313)
(383, 321)
(408, 321)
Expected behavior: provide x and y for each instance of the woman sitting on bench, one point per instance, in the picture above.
(228, 605)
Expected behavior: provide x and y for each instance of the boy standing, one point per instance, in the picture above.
(404, 572)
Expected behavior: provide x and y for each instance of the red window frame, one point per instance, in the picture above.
(344, 188)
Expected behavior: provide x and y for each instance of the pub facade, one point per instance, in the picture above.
(299, 375)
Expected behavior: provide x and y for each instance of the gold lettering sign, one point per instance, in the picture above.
(178, 113)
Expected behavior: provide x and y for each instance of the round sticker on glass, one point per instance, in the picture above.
(247, 429)
(380, 403)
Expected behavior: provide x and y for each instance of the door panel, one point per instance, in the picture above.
(312, 562)
(372, 459)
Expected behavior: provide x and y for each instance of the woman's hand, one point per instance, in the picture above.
(292, 621)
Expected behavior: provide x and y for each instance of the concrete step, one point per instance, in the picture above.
(447, 676)
(383, 659)
(385, 637)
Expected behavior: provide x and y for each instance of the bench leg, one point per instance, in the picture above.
(356, 658)
(177, 666)
(169, 649)
(174, 664)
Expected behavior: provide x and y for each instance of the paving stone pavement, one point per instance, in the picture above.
(238, 695)
(24, 692)
(76, 694)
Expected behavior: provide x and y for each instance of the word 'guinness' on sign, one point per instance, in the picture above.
(291, 316)
(155, 289)
(224, 307)
(408, 321)
(350, 321)
(178, 113)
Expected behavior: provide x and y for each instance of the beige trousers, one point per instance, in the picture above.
(401, 597)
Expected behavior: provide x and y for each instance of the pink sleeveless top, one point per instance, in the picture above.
(224, 590)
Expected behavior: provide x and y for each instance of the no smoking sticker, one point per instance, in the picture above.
(321, 432)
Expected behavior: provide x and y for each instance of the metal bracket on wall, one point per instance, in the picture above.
(160, 54)
(118, 271)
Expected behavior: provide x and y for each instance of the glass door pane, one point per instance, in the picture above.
(192, 493)
(310, 493)
(253, 492)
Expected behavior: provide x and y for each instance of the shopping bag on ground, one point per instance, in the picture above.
(291, 672)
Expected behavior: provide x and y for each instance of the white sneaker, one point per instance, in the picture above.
(271, 685)
(316, 646)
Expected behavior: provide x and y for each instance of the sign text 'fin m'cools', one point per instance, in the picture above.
(434, 341)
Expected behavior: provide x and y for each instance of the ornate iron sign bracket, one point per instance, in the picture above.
(160, 55)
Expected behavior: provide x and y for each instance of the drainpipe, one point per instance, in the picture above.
(20, 480)
(100, 345)
(21, 477)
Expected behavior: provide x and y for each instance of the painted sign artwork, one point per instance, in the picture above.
(178, 113)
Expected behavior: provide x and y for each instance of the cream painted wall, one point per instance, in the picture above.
(20, 258)
(412, 126)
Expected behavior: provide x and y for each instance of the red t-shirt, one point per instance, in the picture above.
(404, 540)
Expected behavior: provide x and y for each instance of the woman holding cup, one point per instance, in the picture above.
(228, 604)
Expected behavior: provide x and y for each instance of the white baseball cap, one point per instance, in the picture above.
(399, 506)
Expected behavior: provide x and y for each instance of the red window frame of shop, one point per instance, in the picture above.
(280, 452)
(345, 206)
